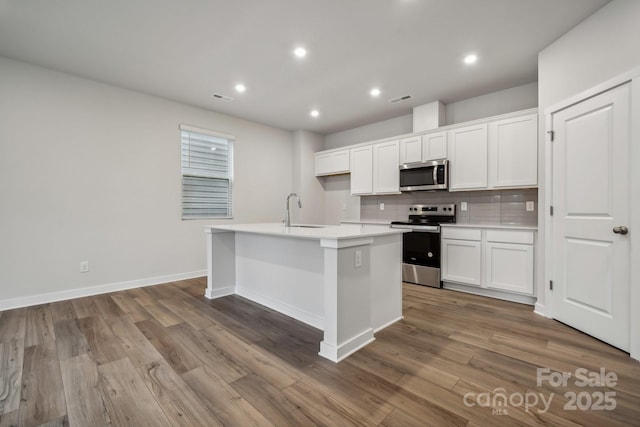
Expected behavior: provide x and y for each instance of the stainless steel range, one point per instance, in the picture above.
(421, 247)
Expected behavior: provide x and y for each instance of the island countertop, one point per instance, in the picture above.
(317, 232)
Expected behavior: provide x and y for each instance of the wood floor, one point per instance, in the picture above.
(165, 355)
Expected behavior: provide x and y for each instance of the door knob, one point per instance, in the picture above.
(620, 229)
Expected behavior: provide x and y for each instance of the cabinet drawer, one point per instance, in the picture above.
(510, 236)
(461, 233)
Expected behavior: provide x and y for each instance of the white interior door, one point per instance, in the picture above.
(591, 203)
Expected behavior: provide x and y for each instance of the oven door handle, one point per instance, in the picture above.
(435, 229)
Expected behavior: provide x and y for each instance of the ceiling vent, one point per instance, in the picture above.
(222, 97)
(400, 99)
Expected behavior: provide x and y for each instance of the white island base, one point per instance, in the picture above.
(346, 280)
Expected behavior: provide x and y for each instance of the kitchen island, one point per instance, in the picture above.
(345, 280)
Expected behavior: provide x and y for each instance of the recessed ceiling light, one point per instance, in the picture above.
(314, 113)
(241, 88)
(470, 59)
(300, 52)
(375, 92)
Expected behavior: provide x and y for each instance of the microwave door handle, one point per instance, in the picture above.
(435, 175)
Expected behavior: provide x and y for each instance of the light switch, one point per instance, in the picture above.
(381, 206)
(529, 206)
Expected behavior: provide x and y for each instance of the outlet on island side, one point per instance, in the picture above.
(357, 259)
(84, 266)
(529, 206)
(463, 206)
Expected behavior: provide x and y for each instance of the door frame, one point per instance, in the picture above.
(545, 295)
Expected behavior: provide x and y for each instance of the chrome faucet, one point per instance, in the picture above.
(287, 217)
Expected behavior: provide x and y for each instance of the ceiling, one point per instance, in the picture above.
(186, 50)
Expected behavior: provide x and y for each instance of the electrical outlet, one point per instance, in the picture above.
(357, 259)
(381, 206)
(84, 266)
(463, 206)
(529, 206)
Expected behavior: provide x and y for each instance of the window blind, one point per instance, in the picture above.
(207, 173)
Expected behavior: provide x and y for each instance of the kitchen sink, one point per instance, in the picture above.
(307, 226)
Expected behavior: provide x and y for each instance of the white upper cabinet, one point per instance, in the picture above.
(500, 153)
(386, 171)
(468, 150)
(331, 163)
(362, 170)
(513, 152)
(434, 146)
(493, 153)
(374, 168)
(411, 149)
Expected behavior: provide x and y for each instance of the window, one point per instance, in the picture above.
(207, 173)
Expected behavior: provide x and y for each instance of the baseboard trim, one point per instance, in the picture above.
(389, 323)
(219, 292)
(344, 350)
(507, 296)
(31, 300)
(540, 310)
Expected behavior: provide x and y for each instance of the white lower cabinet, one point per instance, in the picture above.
(509, 267)
(461, 255)
(494, 259)
(461, 261)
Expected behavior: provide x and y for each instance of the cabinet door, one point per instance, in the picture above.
(509, 267)
(434, 146)
(323, 164)
(513, 152)
(386, 171)
(461, 261)
(410, 150)
(468, 157)
(362, 170)
(340, 162)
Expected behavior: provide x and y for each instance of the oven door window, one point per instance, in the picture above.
(421, 248)
(417, 177)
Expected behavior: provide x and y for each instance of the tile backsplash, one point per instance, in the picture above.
(483, 207)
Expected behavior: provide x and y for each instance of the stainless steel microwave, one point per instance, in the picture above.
(427, 175)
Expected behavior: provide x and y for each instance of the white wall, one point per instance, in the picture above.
(602, 47)
(91, 172)
(305, 184)
(386, 128)
(339, 204)
(491, 104)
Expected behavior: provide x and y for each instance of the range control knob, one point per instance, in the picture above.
(430, 254)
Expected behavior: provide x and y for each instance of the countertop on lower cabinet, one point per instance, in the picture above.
(365, 222)
(494, 226)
